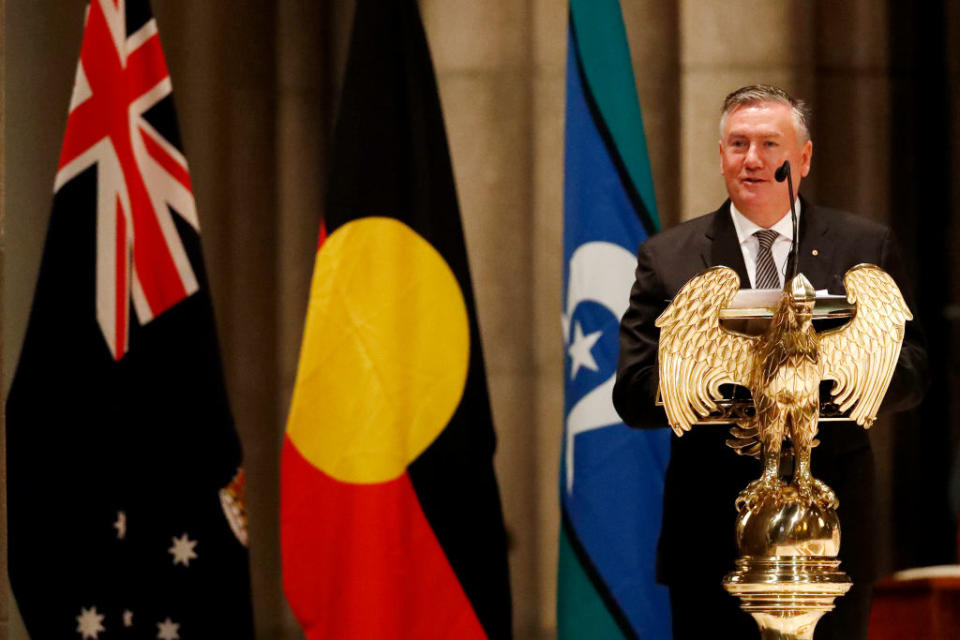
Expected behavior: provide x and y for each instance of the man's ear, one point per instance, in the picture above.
(806, 156)
(720, 155)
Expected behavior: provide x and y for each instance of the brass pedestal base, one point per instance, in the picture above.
(787, 595)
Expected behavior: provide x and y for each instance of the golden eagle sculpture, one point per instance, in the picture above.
(782, 368)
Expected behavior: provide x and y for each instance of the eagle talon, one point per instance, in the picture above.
(758, 491)
(814, 491)
(826, 497)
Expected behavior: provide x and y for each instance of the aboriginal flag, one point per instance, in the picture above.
(390, 512)
(126, 516)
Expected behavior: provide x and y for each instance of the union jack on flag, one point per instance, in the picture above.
(141, 175)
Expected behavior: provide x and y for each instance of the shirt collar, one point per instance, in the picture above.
(746, 228)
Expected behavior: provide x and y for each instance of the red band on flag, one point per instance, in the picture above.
(174, 168)
(363, 562)
(323, 234)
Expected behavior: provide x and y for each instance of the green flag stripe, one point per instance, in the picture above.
(605, 59)
(585, 608)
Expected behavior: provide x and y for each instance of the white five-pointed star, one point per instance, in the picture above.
(579, 350)
(168, 630)
(121, 525)
(182, 550)
(89, 623)
(127, 618)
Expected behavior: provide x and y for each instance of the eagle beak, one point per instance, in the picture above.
(801, 290)
(803, 296)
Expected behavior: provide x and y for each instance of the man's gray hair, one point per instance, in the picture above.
(759, 93)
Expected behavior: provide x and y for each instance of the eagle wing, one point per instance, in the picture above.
(696, 354)
(860, 356)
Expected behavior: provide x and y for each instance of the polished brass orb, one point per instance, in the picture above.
(784, 523)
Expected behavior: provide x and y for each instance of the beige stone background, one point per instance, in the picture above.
(256, 86)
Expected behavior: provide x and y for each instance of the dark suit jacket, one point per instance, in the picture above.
(697, 540)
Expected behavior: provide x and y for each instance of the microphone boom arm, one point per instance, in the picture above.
(784, 172)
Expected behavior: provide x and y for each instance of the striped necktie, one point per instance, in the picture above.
(766, 276)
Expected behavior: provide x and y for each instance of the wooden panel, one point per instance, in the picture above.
(922, 609)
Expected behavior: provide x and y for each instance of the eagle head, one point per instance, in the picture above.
(802, 298)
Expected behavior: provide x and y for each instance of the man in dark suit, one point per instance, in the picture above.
(761, 127)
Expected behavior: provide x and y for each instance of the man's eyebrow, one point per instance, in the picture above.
(762, 134)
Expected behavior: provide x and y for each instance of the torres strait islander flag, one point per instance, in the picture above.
(611, 479)
(391, 524)
(126, 510)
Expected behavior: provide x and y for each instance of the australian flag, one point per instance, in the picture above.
(611, 478)
(126, 492)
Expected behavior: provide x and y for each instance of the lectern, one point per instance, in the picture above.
(788, 532)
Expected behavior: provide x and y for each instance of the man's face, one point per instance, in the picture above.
(755, 141)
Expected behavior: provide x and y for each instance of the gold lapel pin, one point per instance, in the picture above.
(815, 252)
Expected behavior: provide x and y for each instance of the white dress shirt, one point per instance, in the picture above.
(750, 246)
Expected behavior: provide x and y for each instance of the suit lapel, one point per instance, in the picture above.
(722, 247)
(813, 228)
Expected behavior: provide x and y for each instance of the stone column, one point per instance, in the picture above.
(547, 145)
(852, 117)
(726, 44)
(851, 163)
(304, 114)
(653, 31)
(482, 54)
(223, 62)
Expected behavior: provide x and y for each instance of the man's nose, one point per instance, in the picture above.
(753, 159)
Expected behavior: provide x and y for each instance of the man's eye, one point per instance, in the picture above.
(771, 143)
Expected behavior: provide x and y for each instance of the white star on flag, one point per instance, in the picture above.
(89, 623)
(168, 630)
(579, 350)
(121, 525)
(182, 550)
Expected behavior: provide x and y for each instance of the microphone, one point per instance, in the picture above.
(783, 173)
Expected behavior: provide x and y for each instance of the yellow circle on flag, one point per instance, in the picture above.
(385, 352)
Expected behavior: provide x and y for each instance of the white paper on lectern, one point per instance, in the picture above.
(758, 298)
